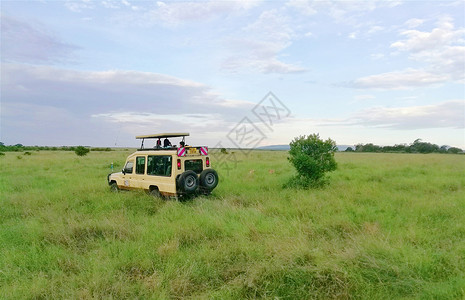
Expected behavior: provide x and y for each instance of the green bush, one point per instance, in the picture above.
(81, 151)
(312, 157)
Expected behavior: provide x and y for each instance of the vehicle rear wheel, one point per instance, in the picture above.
(209, 179)
(114, 187)
(188, 182)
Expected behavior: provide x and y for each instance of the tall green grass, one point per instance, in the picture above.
(388, 226)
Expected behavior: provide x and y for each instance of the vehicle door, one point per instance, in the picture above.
(159, 172)
(128, 170)
(139, 176)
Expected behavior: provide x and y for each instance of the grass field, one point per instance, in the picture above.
(388, 226)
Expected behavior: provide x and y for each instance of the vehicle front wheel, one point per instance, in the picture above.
(114, 187)
(155, 193)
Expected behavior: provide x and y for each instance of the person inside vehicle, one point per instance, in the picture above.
(166, 143)
(181, 144)
(158, 144)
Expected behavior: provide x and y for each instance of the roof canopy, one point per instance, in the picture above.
(162, 135)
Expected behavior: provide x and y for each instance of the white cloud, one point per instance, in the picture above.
(162, 120)
(341, 11)
(374, 29)
(364, 97)
(92, 102)
(31, 43)
(260, 43)
(353, 35)
(441, 123)
(441, 51)
(413, 23)
(304, 7)
(79, 6)
(449, 114)
(398, 80)
(377, 56)
(166, 13)
(177, 13)
(123, 89)
(439, 37)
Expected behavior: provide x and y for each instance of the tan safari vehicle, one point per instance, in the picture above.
(167, 170)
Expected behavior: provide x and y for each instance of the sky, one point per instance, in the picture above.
(232, 73)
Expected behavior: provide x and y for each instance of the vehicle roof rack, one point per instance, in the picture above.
(162, 135)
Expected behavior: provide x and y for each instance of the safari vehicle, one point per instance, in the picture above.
(166, 170)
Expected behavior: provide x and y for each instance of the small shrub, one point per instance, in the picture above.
(2, 153)
(223, 151)
(27, 153)
(81, 151)
(312, 157)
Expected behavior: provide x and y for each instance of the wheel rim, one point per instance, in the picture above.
(210, 179)
(190, 181)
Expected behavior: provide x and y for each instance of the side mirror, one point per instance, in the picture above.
(123, 171)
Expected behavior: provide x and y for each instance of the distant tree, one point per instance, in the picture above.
(400, 147)
(312, 157)
(454, 150)
(372, 148)
(422, 147)
(81, 151)
(349, 149)
(223, 151)
(368, 148)
(443, 149)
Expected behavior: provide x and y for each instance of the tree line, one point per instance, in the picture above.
(20, 148)
(418, 146)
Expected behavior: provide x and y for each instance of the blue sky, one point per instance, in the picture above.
(100, 72)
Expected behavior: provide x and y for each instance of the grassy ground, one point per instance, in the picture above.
(388, 226)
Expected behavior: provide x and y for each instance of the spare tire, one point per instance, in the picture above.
(188, 182)
(209, 179)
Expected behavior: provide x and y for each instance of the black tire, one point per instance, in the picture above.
(114, 187)
(155, 193)
(209, 179)
(188, 182)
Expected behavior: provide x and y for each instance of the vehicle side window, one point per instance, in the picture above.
(195, 165)
(159, 165)
(128, 167)
(140, 165)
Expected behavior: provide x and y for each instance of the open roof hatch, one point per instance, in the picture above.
(161, 135)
